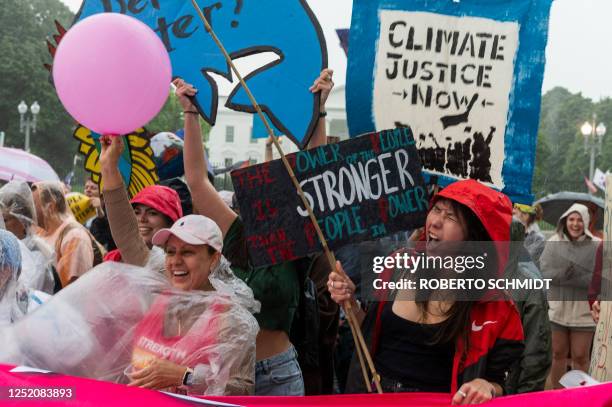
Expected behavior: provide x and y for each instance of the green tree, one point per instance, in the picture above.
(566, 163)
(576, 166)
(26, 24)
(541, 173)
(23, 51)
(170, 118)
(604, 114)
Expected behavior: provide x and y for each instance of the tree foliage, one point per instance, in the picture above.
(23, 51)
(171, 119)
(561, 159)
(26, 24)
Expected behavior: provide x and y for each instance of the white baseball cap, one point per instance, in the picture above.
(192, 229)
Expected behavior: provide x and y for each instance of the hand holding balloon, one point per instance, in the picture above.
(112, 148)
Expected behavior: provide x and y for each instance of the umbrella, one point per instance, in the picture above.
(21, 166)
(555, 205)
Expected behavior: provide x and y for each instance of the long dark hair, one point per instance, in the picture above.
(457, 323)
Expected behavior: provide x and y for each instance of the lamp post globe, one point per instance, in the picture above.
(586, 129)
(22, 108)
(35, 108)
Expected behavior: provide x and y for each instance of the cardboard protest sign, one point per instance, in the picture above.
(288, 29)
(360, 189)
(466, 76)
(80, 206)
(601, 357)
(137, 165)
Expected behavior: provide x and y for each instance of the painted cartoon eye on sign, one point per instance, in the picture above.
(287, 28)
(466, 76)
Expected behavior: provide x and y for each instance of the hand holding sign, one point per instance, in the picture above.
(112, 73)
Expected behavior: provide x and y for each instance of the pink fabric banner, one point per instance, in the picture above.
(86, 392)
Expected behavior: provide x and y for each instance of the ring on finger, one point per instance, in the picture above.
(461, 393)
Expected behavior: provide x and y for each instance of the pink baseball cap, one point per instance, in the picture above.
(192, 229)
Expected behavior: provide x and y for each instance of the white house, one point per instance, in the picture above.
(231, 139)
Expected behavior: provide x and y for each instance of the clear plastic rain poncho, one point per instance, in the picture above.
(71, 242)
(11, 291)
(17, 207)
(117, 318)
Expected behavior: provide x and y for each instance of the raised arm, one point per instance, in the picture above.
(206, 200)
(121, 217)
(323, 84)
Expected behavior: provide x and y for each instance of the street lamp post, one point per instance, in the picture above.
(593, 139)
(27, 124)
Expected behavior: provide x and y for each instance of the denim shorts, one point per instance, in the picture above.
(279, 375)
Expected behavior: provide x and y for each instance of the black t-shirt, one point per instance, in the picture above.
(405, 354)
(100, 229)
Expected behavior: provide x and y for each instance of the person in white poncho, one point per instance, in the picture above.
(190, 331)
(19, 213)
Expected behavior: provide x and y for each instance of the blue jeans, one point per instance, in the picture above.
(279, 375)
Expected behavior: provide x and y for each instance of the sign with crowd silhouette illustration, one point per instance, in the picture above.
(465, 76)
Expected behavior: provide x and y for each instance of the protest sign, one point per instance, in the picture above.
(601, 360)
(288, 29)
(465, 76)
(360, 189)
(599, 179)
(137, 165)
(80, 206)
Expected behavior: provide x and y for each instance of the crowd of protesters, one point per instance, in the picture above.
(205, 320)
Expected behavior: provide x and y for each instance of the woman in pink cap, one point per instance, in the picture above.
(200, 337)
(198, 341)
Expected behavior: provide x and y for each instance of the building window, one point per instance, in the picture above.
(228, 162)
(253, 139)
(229, 134)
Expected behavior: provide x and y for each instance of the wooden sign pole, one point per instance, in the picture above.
(355, 328)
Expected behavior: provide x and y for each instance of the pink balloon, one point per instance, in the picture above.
(112, 73)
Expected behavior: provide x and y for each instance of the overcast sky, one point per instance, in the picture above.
(578, 45)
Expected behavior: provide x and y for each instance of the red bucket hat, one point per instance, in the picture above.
(163, 199)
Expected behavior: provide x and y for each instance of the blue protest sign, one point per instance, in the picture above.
(288, 29)
(260, 131)
(466, 76)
